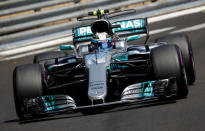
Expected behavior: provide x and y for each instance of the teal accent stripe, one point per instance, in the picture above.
(131, 38)
(49, 102)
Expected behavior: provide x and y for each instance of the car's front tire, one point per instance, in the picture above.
(183, 42)
(27, 83)
(167, 62)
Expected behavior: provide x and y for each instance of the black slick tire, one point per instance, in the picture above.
(184, 43)
(27, 83)
(166, 63)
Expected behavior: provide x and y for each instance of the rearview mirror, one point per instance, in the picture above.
(66, 47)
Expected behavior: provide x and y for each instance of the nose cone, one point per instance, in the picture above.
(97, 66)
(97, 81)
(97, 90)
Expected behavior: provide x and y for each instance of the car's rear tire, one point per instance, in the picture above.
(167, 62)
(27, 83)
(183, 42)
(44, 57)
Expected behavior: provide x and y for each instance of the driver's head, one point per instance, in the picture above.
(102, 31)
(103, 43)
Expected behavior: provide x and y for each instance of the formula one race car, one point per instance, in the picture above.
(105, 71)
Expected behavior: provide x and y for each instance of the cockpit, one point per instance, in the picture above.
(102, 39)
(101, 45)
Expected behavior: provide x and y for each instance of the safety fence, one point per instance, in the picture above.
(31, 22)
(23, 19)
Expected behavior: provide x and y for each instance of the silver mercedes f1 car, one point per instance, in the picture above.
(104, 69)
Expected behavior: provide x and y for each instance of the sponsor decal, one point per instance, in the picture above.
(130, 24)
(97, 89)
(97, 86)
(137, 25)
(83, 31)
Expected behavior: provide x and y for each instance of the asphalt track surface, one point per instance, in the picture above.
(183, 115)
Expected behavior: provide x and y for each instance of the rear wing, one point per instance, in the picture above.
(127, 28)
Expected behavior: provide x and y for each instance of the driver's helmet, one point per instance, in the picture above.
(102, 39)
(102, 44)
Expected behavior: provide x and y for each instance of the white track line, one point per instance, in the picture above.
(176, 14)
(36, 46)
(157, 31)
(30, 53)
(192, 28)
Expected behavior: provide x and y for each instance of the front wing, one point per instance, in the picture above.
(136, 93)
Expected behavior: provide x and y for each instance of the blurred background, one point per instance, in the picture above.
(29, 27)
(31, 22)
